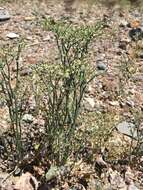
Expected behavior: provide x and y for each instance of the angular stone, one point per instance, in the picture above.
(114, 103)
(4, 15)
(12, 35)
(101, 66)
(123, 23)
(29, 18)
(26, 71)
(89, 104)
(28, 118)
(128, 129)
(136, 34)
(140, 54)
(138, 77)
(132, 187)
(52, 173)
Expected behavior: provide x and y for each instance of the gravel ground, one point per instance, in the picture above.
(107, 52)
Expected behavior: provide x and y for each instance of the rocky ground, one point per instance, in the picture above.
(119, 51)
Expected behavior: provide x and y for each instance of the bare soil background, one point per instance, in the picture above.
(106, 53)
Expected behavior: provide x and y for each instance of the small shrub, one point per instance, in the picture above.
(13, 92)
(62, 85)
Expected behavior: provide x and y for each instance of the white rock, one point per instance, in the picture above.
(114, 103)
(123, 23)
(47, 38)
(89, 103)
(128, 129)
(52, 173)
(28, 118)
(12, 35)
(132, 187)
(4, 14)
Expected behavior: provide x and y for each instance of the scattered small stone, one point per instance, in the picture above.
(130, 103)
(28, 118)
(101, 66)
(140, 54)
(135, 24)
(52, 173)
(25, 71)
(136, 34)
(114, 103)
(29, 18)
(123, 45)
(136, 14)
(4, 15)
(47, 38)
(123, 23)
(17, 172)
(128, 129)
(30, 38)
(132, 187)
(89, 104)
(12, 35)
(138, 77)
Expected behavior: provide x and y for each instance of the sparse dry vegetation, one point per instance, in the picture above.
(71, 103)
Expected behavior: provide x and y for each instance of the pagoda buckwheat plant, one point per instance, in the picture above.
(61, 85)
(13, 93)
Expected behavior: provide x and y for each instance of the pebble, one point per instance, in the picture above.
(29, 38)
(4, 15)
(28, 118)
(29, 18)
(89, 104)
(132, 187)
(140, 54)
(123, 45)
(130, 103)
(47, 38)
(52, 173)
(136, 34)
(138, 77)
(12, 35)
(25, 71)
(101, 66)
(128, 129)
(114, 103)
(123, 23)
(136, 14)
